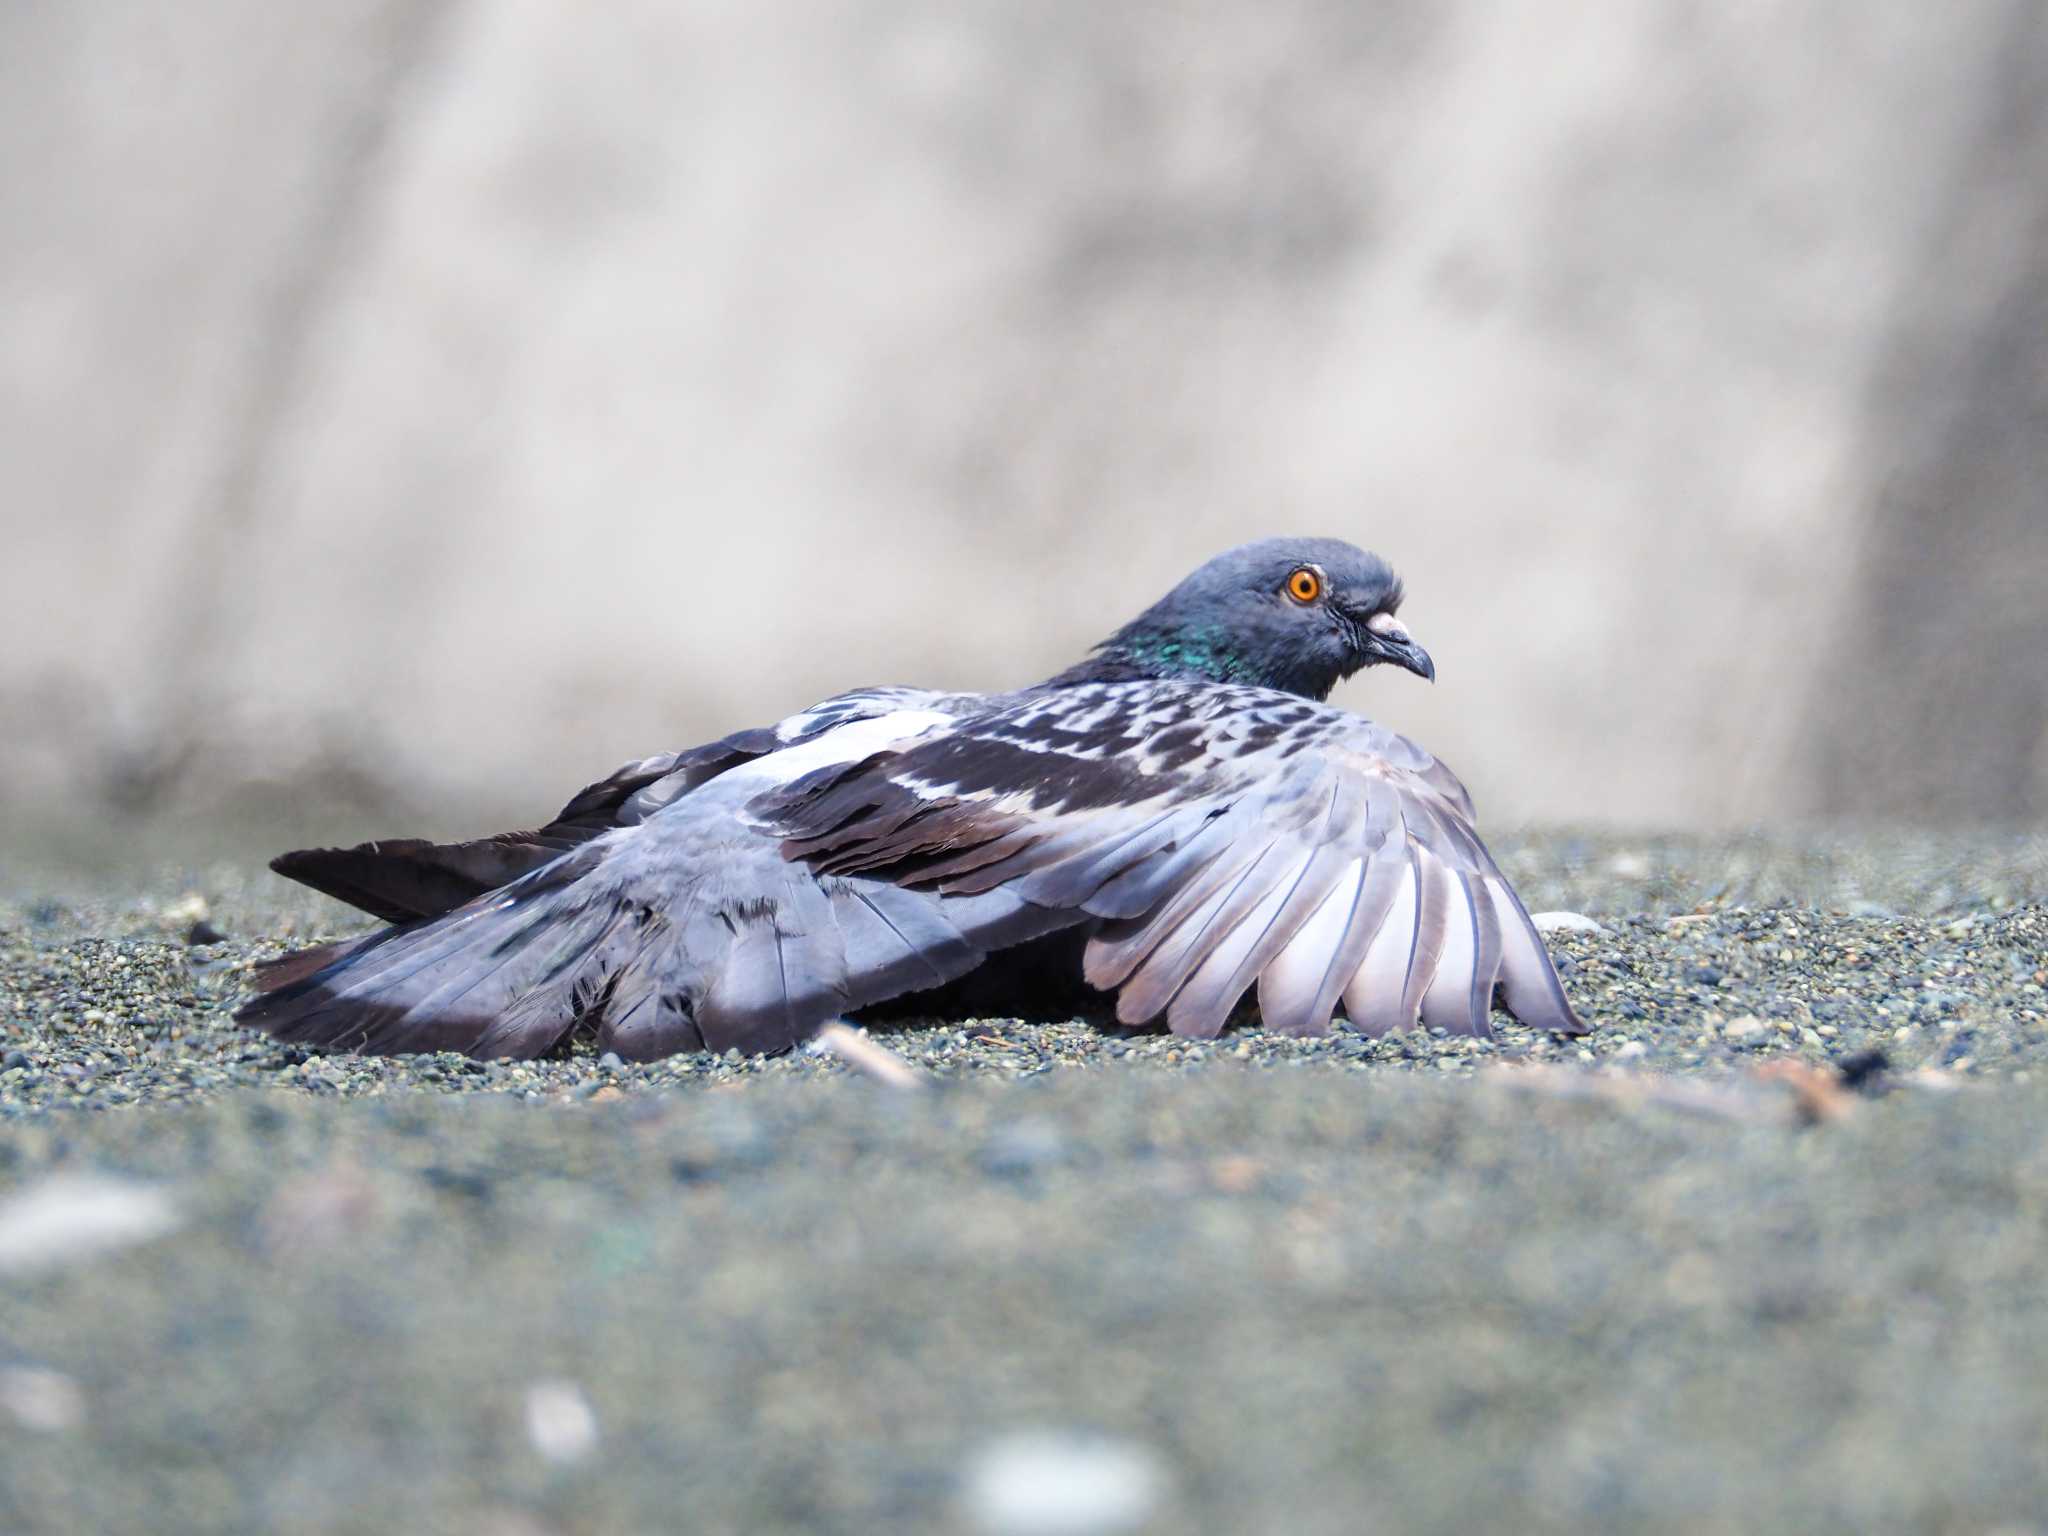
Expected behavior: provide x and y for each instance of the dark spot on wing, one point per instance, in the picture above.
(969, 765)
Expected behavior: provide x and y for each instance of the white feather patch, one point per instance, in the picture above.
(843, 744)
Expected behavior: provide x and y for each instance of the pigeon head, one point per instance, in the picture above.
(1294, 614)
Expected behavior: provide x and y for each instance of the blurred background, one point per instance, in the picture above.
(411, 409)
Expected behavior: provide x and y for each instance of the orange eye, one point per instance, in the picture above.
(1305, 586)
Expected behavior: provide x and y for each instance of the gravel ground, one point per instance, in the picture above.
(1769, 1248)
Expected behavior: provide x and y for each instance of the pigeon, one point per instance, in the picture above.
(1175, 823)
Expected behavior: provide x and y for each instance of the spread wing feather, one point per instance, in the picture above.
(1300, 849)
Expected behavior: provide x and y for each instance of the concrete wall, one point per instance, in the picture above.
(435, 403)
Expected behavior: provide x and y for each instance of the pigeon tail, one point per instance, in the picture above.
(497, 976)
(404, 879)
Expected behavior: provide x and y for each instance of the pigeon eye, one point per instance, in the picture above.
(1305, 586)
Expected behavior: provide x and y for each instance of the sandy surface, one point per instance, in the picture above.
(1768, 1249)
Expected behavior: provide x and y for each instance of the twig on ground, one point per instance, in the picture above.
(864, 1055)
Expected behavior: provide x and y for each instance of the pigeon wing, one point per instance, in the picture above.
(679, 927)
(1224, 838)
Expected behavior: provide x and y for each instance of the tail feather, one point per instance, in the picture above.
(403, 879)
(290, 969)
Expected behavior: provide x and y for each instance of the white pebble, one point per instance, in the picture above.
(1565, 922)
(1062, 1484)
(560, 1422)
(191, 907)
(44, 1401)
(70, 1217)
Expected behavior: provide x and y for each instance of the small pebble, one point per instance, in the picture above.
(1058, 1483)
(1565, 922)
(43, 1402)
(68, 1218)
(560, 1423)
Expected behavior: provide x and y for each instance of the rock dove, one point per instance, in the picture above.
(1180, 815)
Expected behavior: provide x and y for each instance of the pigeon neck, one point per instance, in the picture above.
(1197, 654)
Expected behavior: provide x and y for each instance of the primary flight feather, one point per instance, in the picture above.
(1180, 815)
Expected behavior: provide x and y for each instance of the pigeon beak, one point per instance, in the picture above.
(1387, 640)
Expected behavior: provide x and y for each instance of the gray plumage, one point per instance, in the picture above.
(1181, 804)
